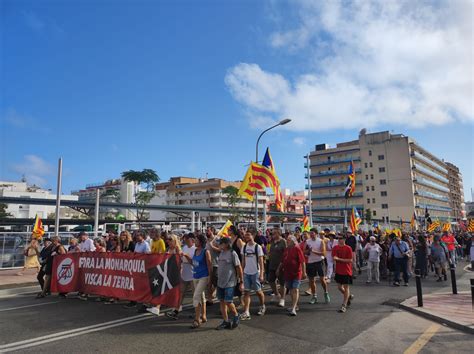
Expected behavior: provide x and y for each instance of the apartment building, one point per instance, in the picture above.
(200, 193)
(456, 192)
(395, 176)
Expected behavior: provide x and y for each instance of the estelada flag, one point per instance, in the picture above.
(306, 226)
(38, 230)
(447, 227)
(470, 225)
(355, 220)
(225, 229)
(246, 190)
(351, 180)
(268, 163)
(433, 226)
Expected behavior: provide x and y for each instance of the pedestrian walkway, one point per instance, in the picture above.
(453, 310)
(10, 279)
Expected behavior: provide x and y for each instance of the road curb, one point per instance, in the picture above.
(437, 319)
(19, 291)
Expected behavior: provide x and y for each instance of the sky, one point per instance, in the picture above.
(185, 87)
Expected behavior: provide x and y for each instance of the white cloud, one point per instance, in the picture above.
(35, 169)
(22, 121)
(372, 63)
(299, 141)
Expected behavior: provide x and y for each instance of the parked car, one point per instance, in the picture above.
(12, 247)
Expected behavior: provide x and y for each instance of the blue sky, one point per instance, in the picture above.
(184, 87)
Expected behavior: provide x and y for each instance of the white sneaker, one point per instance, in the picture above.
(154, 311)
(281, 303)
(261, 310)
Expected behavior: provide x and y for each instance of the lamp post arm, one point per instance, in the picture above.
(258, 140)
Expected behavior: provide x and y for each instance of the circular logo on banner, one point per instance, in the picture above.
(65, 271)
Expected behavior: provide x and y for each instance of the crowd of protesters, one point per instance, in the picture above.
(235, 267)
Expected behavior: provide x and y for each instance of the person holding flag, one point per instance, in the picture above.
(38, 229)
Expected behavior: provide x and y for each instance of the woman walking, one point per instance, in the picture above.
(202, 271)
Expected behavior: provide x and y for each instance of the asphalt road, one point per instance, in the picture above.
(372, 324)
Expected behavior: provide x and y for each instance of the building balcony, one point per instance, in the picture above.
(334, 196)
(332, 184)
(332, 173)
(432, 196)
(427, 183)
(433, 207)
(359, 207)
(334, 161)
(429, 162)
(432, 174)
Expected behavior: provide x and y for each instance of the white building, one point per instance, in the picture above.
(27, 211)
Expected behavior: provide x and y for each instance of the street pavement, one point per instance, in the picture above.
(374, 323)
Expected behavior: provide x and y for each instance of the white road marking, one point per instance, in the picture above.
(22, 307)
(33, 342)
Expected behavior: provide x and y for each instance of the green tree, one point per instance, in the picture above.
(368, 216)
(145, 182)
(232, 196)
(3, 211)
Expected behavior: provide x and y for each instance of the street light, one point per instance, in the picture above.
(282, 122)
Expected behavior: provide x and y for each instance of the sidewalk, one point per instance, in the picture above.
(453, 310)
(9, 278)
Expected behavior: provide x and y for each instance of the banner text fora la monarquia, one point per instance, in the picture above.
(146, 278)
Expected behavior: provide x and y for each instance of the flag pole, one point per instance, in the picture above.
(345, 215)
(58, 196)
(96, 218)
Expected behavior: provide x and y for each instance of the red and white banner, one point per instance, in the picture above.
(145, 278)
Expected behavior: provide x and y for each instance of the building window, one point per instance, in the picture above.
(383, 193)
(371, 164)
(381, 169)
(373, 200)
(368, 200)
(365, 165)
(381, 157)
(384, 206)
(367, 188)
(371, 176)
(383, 181)
(370, 152)
(373, 188)
(366, 176)
(374, 213)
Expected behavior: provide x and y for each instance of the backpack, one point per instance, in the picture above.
(256, 253)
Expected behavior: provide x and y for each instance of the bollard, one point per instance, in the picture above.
(419, 294)
(452, 267)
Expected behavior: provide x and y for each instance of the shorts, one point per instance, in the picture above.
(272, 277)
(251, 282)
(214, 277)
(343, 279)
(225, 294)
(292, 284)
(314, 269)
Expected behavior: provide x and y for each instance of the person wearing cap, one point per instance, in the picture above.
(342, 255)
(293, 268)
(372, 252)
(230, 274)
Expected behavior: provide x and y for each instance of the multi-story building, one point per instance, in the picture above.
(200, 193)
(29, 211)
(456, 192)
(394, 177)
(112, 190)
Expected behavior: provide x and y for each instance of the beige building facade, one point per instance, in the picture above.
(394, 177)
(456, 192)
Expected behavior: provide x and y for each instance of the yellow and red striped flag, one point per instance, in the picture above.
(355, 220)
(225, 229)
(306, 226)
(470, 225)
(447, 227)
(38, 230)
(433, 226)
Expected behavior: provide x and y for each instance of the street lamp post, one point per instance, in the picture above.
(283, 122)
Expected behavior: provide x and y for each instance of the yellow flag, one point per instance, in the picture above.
(246, 190)
(225, 229)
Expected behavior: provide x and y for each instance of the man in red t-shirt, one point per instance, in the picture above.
(342, 255)
(450, 242)
(294, 269)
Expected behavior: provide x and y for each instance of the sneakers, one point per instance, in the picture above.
(83, 297)
(351, 297)
(327, 299)
(261, 310)
(406, 284)
(314, 300)
(235, 322)
(245, 316)
(281, 303)
(292, 313)
(343, 309)
(307, 293)
(154, 310)
(396, 283)
(224, 325)
(109, 301)
(173, 314)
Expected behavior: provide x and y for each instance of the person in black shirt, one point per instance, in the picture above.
(351, 241)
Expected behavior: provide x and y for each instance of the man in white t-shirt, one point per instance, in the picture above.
(315, 250)
(186, 272)
(252, 261)
(86, 245)
(372, 251)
